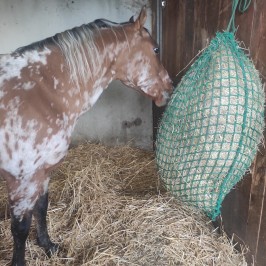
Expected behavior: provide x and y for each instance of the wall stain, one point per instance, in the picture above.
(135, 123)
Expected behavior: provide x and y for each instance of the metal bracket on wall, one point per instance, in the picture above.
(163, 3)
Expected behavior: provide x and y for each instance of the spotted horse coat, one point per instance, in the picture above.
(44, 89)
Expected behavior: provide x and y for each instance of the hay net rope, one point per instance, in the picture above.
(211, 128)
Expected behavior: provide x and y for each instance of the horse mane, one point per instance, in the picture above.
(78, 47)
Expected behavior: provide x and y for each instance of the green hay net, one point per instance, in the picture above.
(211, 128)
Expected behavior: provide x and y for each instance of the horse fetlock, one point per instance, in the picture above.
(49, 247)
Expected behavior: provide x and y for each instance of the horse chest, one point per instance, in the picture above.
(23, 152)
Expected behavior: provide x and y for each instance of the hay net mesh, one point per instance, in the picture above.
(211, 128)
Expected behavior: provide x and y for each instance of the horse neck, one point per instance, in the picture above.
(101, 66)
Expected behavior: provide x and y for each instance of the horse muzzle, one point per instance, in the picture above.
(163, 100)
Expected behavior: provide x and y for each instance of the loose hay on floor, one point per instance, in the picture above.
(107, 208)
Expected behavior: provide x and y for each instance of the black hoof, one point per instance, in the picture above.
(52, 249)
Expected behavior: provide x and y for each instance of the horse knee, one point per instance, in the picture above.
(20, 226)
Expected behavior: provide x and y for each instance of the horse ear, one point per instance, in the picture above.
(140, 21)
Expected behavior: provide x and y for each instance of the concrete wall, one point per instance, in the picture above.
(121, 114)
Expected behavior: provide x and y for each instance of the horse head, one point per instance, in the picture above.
(140, 68)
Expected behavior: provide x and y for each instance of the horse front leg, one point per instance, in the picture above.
(27, 195)
(20, 227)
(40, 213)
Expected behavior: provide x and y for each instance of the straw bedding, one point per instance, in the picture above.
(107, 208)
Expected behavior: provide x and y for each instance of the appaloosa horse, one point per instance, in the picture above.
(44, 88)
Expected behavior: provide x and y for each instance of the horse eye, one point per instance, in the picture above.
(156, 50)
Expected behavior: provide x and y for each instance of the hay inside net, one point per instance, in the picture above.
(107, 208)
(211, 128)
